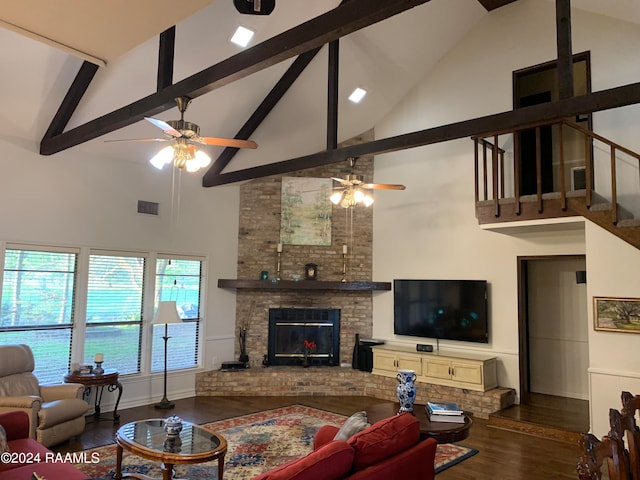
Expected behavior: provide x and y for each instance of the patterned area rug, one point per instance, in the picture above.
(256, 443)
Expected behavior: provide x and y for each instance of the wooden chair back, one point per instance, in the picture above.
(630, 405)
(610, 451)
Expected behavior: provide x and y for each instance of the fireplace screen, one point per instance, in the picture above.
(290, 327)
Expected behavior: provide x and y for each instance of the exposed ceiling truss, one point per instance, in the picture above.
(346, 18)
(305, 41)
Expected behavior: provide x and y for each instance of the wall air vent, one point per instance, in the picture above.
(148, 208)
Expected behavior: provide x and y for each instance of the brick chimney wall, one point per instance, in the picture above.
(258, 236)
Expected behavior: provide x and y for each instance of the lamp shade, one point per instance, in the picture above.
(167, 313)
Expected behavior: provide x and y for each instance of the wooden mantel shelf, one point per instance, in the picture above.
(303, 285)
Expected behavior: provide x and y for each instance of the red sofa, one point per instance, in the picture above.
(390, 448)
(23, 450)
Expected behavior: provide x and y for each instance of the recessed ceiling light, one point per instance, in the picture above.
(242, 36)
(357, 95)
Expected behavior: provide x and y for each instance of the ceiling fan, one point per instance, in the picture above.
(183, 153)
(352, 189)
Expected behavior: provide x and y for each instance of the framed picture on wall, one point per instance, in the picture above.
(306, 211)
(616, 314)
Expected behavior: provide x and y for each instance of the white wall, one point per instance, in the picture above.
(558, 333)
(70, 200)
(429, 230)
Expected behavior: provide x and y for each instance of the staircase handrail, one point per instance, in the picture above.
(498, 168)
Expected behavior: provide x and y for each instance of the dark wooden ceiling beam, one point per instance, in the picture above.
(72, 99)
(565, 54)
(332, 94)
(166, 53)
(346, 18)
(488, 125)
(270, 101)
(493, 4)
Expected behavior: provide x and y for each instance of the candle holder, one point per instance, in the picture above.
(98, 370)
(278, 265)
(344, 268)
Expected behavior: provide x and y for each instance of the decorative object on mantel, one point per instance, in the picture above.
(264, 275)
(311, 271)
(406, 390)
(344, 264)
(265, 360)
(278, 260)
(308, 346)
(99, 359)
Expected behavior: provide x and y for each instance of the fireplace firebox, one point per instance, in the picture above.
(290, 327)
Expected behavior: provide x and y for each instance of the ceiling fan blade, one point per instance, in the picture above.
(383, 186)
(139, 140)
(164, 126)
(342, 181)
(226, 142)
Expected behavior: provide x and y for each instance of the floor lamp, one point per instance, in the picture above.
(167, 313)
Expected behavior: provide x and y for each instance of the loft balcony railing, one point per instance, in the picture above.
(498, 179)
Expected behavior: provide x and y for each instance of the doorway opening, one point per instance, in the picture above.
(553, 331)
(533, 86)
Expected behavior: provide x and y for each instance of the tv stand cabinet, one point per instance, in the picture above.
(461, 370)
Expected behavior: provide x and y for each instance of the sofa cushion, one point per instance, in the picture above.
(354, 424)
(331, 462)
(48, 471)
(384, 439)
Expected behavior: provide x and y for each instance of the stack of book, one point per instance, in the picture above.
(444, 412)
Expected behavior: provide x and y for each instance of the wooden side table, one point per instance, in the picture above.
(107, 379)
(442, 432)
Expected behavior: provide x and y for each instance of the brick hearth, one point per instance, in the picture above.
(341, 381)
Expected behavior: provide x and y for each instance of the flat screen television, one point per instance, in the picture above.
(441, 309)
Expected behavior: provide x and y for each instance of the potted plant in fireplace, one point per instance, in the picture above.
(309, 345)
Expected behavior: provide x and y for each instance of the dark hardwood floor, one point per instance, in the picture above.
(503, 454)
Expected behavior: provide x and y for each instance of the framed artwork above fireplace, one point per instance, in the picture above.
(306, 211)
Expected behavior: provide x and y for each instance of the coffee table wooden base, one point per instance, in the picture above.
(166, 468)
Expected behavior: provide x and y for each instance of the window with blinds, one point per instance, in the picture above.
(37, 307)
(115, 295)
(179, 280)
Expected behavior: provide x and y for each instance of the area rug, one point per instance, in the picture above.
(256, 443)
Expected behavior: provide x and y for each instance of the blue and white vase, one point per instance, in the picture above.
(173, 425)
(406, 390)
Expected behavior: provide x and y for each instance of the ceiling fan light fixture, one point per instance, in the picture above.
(202, 159)
(336, 197)
(367, 200)
(162, 158)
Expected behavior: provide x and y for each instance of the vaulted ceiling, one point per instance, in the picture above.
(382, 48)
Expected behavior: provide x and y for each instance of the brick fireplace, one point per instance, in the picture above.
(259, 227)
(258, 236)
(290, 328)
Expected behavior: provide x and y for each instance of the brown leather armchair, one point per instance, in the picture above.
(56, 412)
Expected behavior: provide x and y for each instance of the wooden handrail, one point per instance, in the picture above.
(498, 172)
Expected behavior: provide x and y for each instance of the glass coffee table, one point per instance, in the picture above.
(147, 439)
